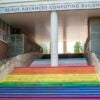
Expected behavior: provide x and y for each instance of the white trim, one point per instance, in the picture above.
(42, 1)
(48, 6)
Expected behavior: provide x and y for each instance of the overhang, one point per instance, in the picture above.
(45, 5)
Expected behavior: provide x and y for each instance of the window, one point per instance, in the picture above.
(4, 31)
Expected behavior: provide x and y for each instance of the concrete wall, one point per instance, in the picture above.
(7, 1)
(6, 68)
(94, 61)
(23, 60)
(26, 59)
(3, 49)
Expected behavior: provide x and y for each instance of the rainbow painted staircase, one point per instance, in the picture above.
(36, 83)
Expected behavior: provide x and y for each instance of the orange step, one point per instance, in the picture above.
(54, 70)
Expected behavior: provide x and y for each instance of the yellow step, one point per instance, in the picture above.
(51, 78)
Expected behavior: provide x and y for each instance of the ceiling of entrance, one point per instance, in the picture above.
(40, 21)
(37, 26)
(27, 21)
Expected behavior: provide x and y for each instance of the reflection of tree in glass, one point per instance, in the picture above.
(78, 48)
(45, 49)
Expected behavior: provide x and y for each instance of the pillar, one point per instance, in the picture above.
(54, 38)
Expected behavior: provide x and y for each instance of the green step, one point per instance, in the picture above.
(92, 83)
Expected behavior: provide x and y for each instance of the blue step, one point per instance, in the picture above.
(51, 91)
(52, 87)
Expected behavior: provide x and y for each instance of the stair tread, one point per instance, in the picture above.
(36, 81)
(54, 70)
(51, 78)
(51, 84)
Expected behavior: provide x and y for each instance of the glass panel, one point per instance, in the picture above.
(1, 30)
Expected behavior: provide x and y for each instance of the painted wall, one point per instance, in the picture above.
(75, 29)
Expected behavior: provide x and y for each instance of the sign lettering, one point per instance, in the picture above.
(50, 7)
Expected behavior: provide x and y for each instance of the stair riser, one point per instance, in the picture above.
(49, 98)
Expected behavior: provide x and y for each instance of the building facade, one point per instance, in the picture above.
(56, 25)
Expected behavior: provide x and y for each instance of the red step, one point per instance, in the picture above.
(54, 70)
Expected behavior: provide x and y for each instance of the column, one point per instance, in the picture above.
(54, 38)
(64, 36)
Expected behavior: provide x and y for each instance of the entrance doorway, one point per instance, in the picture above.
(72, 29)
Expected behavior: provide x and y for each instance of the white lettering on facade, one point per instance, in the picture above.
(50, 7)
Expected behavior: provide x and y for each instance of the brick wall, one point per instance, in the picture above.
(3, 50)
